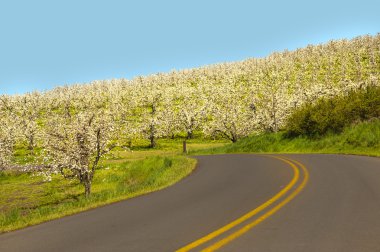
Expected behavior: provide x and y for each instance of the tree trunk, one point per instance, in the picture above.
(152, 141)
(189, 135)
(234, 137)
(190, 131)
(87, 188)
(31, 145)
(152, 137)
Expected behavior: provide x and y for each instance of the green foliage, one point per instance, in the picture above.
(334, 114)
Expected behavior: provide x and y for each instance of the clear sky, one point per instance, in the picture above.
(49, 43)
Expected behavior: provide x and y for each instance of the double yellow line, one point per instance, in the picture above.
(295, 166)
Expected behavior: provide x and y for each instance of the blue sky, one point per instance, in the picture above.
(49, 43)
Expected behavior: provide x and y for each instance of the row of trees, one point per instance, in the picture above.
(75, 125)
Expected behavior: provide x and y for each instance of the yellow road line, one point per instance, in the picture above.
(249, 226)
(248, 215)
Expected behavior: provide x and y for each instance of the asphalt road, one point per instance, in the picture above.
(332, 205)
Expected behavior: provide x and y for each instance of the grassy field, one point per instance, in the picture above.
(26, 199)
(362, 139)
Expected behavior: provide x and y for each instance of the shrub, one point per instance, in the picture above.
(334, 114)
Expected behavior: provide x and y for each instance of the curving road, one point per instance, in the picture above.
(233, 203)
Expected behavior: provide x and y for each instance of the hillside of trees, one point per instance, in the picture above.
(68, 129)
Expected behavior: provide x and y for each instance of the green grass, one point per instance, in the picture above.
(27, 200)
(362, 138)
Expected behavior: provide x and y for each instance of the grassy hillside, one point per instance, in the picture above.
(362, 138)
(343, 124)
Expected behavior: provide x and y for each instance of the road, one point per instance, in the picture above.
(233, 203)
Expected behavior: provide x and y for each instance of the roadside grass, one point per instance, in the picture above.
(361, 139)
(26, 199)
